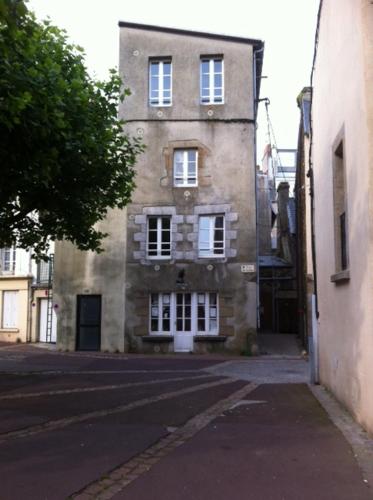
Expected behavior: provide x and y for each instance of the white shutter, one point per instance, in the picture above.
(10, 309)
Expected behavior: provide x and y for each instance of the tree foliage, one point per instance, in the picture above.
(64, 159)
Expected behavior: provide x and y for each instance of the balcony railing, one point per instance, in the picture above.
(44, 274)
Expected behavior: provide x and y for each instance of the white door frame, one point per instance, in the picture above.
(183, 339)
(43, 311)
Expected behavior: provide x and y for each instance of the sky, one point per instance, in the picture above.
(287, 28)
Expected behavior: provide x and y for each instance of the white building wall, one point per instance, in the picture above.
(340, 106)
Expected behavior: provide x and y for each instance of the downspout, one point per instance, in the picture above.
(310, 174)
(29, 299)
(256, 103)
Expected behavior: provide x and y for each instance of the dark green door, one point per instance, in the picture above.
(88, 323)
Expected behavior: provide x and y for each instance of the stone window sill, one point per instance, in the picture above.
(341, 277)
(9, 330)
(157, 338)
(210, 338)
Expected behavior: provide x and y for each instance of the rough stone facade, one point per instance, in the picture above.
(223, 136)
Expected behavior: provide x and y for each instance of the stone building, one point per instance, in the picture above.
(305, 283)
(342, 167)
(179, 270)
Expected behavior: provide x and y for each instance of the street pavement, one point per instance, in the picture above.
(100, 426)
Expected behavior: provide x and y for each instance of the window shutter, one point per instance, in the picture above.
(10, 309)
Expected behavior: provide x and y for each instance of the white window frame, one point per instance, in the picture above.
(213, 245)
(194, 313)
(186, 179)
(8, 260)
(160, 245)
(160, 318)
(161, 100)
(209, 316)
(10, 307)
(212, 97)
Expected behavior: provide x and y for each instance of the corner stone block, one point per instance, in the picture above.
(231, 235)
(178, 219)
(179, 255)
(231, 252)
(139, 237)
(138, 255)
(231, 217)
(191, 219)
(140, 219)
(192, 237)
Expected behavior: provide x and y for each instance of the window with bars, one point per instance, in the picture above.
(9, 259)
(207, 313)
(160, 83)
(159, 237)
(211, 236)
(212, 80)
(160, 313)
(185, 167)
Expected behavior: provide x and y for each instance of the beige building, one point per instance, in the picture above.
(342, 161)
(179, 270)
(26, 305)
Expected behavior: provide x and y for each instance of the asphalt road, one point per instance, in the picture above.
(96, 426)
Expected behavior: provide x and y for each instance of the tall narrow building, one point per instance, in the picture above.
(191, 235)
(179, 274)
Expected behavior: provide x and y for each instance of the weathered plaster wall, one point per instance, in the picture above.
(79, 272)
(343, 102)
(137, 46)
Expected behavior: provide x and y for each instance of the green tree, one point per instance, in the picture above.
(64, 159)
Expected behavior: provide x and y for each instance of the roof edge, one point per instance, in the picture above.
(201, 34)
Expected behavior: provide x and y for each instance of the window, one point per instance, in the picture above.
(212, 80)
(207, 313)
(44, 272)
(160, 87)
(185, 167)
(340, 210)
(10, 309)
(211, 236)
(184, 312)
(159, 237)
(9, 259)
(160, 312)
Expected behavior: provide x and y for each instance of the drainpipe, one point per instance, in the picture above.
(256, 103)
(310, 174)
(29, 310)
